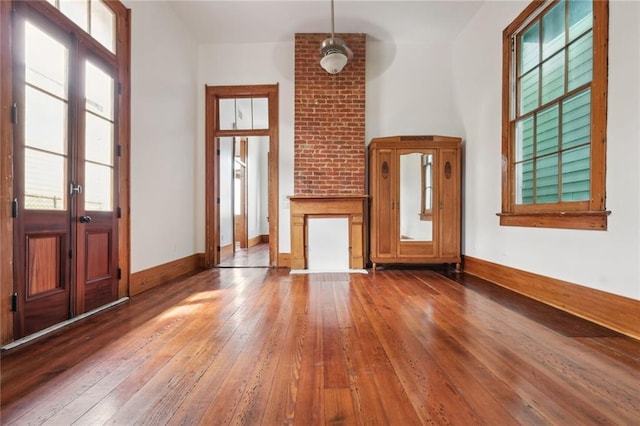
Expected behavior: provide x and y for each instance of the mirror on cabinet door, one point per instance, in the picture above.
(416, 196)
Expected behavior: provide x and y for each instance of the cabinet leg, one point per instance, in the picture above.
(458, 267)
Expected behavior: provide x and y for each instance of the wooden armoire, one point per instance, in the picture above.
(415, 200)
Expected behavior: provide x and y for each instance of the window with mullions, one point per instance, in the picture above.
(554, 115)
(93, 16)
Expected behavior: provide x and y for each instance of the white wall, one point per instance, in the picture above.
(606, 261)
(163, 136)
(409, 90)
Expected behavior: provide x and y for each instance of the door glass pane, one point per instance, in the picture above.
(98, 181)
(77, 11)
(99, 91)
(243, 113)
(260, 113)
(227, 114)
(46, 62)
(99, 140)
(103, 25)
(45, 122)
(45, 178)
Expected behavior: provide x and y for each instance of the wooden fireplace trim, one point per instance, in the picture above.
(351, 206)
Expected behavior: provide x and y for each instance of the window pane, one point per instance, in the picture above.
(103, 25)
(529, 91)
(576, 120)
(576, 179)
(524, 139)
(260, 113)
(99, 91)
(227, 114)
(45, 62)
(45, 122)
(524, 183)
(547, 130)
(553, 30)
(98, 181)
(581, 61)
(530, 48)
(77, 11)
(45, 177)
(547, 179)
(243, 113)
(553, 78)
(99, 140)
(580, 17)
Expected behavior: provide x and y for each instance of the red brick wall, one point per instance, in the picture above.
(329, 151)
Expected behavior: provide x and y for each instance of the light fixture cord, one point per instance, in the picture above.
(332, 27)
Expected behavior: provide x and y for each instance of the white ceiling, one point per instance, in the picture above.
(266, 21)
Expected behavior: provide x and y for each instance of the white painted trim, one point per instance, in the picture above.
(60, 325)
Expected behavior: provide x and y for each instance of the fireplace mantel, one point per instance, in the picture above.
(351, 206)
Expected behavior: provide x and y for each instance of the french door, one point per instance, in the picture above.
(66, 170)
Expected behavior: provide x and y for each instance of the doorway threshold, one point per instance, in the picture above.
(60, 325)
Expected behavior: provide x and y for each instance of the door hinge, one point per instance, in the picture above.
(14, 302)
(70, 254)
(119, 88)
(119, 273)
(217, 248)
(119, 212)
(119, 150)
(218, 152)
(14, 113)
(14, 208)
(218, 200)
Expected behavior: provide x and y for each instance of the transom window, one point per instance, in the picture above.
(554, 115)
(93, 16)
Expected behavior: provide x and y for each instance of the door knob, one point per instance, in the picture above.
(85, 219)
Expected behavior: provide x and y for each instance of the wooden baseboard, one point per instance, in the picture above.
(258, 239)
(152, 277)
(609, 310)
(284, 260)
(226, 250)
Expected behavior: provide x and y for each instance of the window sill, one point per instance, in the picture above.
(591, 220)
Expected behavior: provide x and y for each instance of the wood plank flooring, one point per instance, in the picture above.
(256, 256)
(260, 346)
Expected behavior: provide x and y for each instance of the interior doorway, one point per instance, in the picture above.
(242, 176)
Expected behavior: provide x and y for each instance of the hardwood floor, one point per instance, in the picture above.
(260, 346)
(256, 256)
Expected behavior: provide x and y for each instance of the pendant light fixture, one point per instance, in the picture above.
(334, 51)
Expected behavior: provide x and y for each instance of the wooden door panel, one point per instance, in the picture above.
(386, 233)
(449, 182)
(98, 255)
(97, 262)
(44, 264)
(46, 297)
